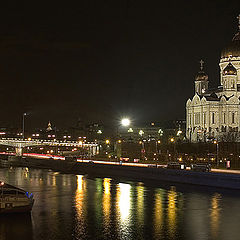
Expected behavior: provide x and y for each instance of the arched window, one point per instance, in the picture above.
(233, 116)
(213, 119)
(204, 118)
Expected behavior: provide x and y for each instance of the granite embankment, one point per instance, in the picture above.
(223, 180)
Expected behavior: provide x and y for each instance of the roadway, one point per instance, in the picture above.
(56, 157)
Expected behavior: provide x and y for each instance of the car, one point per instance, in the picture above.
(176, 165)
(201, 167)
(152, 165)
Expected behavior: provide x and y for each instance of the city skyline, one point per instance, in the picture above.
(100, 62)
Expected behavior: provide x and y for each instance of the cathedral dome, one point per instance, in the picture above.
(201, 76)
(229, 70)
(233, 49)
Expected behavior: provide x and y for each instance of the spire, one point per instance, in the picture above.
(201, 80)
(201, 64)
(49, 128)
(201, 75)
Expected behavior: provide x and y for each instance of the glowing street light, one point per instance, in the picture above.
(125, 122)
(172, 140)
(141, 132)
(107, 141)
(23, 124)
(216, 142)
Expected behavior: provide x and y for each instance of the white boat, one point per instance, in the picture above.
(14, 200)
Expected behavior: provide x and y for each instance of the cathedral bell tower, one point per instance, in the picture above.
(229, 79)
(201, 80)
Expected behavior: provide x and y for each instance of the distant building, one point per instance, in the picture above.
(215, 113)
(150, 132)
(49, 127)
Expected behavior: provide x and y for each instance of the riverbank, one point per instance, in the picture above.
(212, 179)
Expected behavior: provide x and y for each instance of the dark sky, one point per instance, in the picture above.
(101, 60)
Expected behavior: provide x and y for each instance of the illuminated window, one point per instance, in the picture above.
(224, 117)
(213, 118)
(197, 118)
(204, 118)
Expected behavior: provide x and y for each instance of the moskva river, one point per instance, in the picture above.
(71, 206)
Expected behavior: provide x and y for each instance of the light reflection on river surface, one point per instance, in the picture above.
(79, 207)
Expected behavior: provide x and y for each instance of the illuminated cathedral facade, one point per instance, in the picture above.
(214, 114)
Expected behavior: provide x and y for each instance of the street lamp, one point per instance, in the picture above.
(141, 132)
(23, 124)
(125, 122)
(216, 142)
(160, 132)
(157, 142)
(172, 140)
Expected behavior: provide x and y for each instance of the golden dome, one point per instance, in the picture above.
(233, 49)
(201, 76)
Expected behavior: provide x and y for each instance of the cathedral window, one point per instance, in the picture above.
(224, 117)
(204, 118)
(197, 118)
(233, 116)
(213, 118)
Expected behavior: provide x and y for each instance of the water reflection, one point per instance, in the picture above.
(215, 215)
(80, 217)
(140, 204)
(158, 213)
(79, 207)
(106, 201)
(172, 212)
(123, 203)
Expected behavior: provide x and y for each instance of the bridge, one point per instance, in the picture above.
(19, 144)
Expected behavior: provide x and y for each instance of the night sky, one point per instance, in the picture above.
(101, 60)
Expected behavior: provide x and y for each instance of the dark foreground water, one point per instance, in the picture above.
(80, 207)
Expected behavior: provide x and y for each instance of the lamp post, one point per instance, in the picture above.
(172, 140)
(23, 124)
(141, 132)
(216, 142)
(157, 142)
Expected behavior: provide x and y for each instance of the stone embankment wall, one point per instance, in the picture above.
(223, 180)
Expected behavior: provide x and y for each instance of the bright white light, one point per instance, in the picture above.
(125, 122)
(141, 132)
(124, 201)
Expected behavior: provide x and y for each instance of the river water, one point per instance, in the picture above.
(71, 206)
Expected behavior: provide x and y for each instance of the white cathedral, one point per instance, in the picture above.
(214, 114)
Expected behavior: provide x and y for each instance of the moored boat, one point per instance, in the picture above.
(14, 200)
